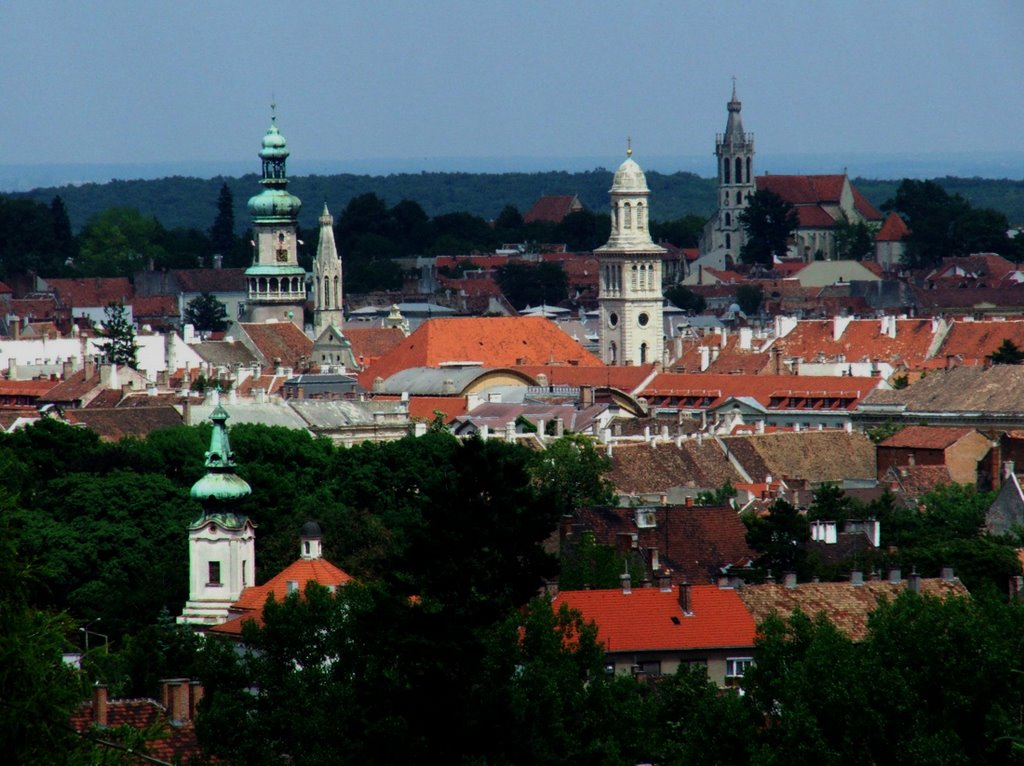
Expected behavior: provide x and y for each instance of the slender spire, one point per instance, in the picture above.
(734, 125)
(220, 482)
(629, 146)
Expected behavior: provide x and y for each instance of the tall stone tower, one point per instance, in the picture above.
(222, 541)
(630, 296)
(327, 303)
(735, 152)
(276, 282)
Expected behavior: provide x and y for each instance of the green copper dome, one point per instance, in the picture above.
(220, 484)
(275, 204)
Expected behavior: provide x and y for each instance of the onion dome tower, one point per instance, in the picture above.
(735, 152)
(630, 296)
(222, 541)
(276, 283)
(328, 295)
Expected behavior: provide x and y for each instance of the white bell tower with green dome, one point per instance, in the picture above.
(221, 542)
(275, 281)
(630, 297)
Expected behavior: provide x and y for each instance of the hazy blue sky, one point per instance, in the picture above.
(133, 81)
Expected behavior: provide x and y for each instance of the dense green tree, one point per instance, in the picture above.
(206, 313)
(30, 240)
(532, 284)
(1007, 353)
(119, 242)
(768, 221)
(944, 225)
(681, 232)
(749, 297)
(66, 244)
(686, 299)
(118, 346)
(854, 241)
(582, 231)
(222, 232)
(780, 538)
(509, 220)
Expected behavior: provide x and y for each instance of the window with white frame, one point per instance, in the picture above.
(737, 667)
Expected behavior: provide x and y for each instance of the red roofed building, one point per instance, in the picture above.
(482, 341)
(553, 208)
(889, 245)
(656, 630)
(821, 202)
(959, 450)
(89, 297)
(276, 343)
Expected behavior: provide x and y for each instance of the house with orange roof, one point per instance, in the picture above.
(961, 451)
(275, 344)
(972, 342)
(553, 208)
(482, 341)
(87, 298)
(821, 203)
(655, 630)
(890, 248)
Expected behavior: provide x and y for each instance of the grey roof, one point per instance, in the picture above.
(429, 381)
(223, 353)
(998, 389)
(271, 414)
(321, 414)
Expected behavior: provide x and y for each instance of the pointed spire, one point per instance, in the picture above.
(734, 125)
(220, 483)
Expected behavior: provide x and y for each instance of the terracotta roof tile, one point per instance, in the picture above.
(972, 342)
(174, 743)
(552, 208)
(73, 388)
(846, 605)
(845, 392)
(893, 230)
(114, 423)
(280, 340)
(650, 619)
(813, 456)
(210, 280)
(640, 469)
(860, 340)
(490, 341)
(93, 291)
(371, 343)
(926, 437)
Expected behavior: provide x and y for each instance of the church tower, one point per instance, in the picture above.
(630, 296)
(735, 152)
(221, 542)
(327, 303)
(276, 282)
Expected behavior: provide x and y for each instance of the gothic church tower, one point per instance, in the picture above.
(328, 298)
(276, 282)
(630, 297)
(735, 152)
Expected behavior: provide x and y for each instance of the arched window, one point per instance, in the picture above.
(643, 353)
(613, 352)
(728, 220)
(633, 282)
(327, 294)
(728, 240)
(640, 216)
(739, 170)
(628, 216)
(725, 170)
(337, 297)
(748, 169)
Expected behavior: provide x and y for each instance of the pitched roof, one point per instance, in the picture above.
(92, 291)
(692, 541)
(997, 389)
(860, 340)
(279, 340)
(814, 456)
(767, 390)
(893, 230)
(371, 343)
(639, 469)
(809, 192)
(972, 342)
(300, 572)
(210, 280)
(73, 387)
(846, 605)
(649, 619)
(425, 407)
(552, 207)
(224, 353)
(626, 379)
(114, 423)
(490, 341)
(26, 388)
(174, 743)
(926, 437)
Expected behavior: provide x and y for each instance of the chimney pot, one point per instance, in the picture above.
(895, 576)
(789, 579)
(856, 578)
(947, 573)
(99, 704)
(627, 585)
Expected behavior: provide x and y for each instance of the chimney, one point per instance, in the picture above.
(559, 428)
(856, 578)
(665, 582)
(895, 576)
(684, 597)
(627, 585)
(586, 396)
(218, 261)
(99, 704)
(551, 588)
(195, 698)
(66, 368)
(914, 581)
(947, 574)
(688, 501)
(789, 580)
(12, 369)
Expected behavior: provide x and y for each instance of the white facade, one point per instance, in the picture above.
(221, 565)
(327, 285)
(630, 297)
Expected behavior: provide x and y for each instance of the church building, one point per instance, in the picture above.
(275, 281)
(630, 298)
(327, 285)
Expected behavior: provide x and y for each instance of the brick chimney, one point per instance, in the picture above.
(684, 597)
(99, 704)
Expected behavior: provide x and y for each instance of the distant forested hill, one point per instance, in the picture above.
(191, 202)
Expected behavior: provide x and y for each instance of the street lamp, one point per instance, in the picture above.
(87, 632)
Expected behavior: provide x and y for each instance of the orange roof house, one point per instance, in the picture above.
(276, 343)
(960, 450)
(482, 341)
(553, 208)
(656, 629)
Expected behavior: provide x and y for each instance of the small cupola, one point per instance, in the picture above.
(310, 539)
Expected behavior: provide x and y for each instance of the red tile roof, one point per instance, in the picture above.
(765, 389)
(210, 280)
(809, 192)
(926, 437)
(371, 343)
(154, 306)
(29, 388)
(73, 388)
(552, 208)
(280, 340)
(93, 291)
(861, 340)
(650, 619)
(303, 571)
(115, 423)
(172, 743)
(490, 341)
(972, 342)
(893, 230)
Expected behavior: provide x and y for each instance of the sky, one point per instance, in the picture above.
(435, 82)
